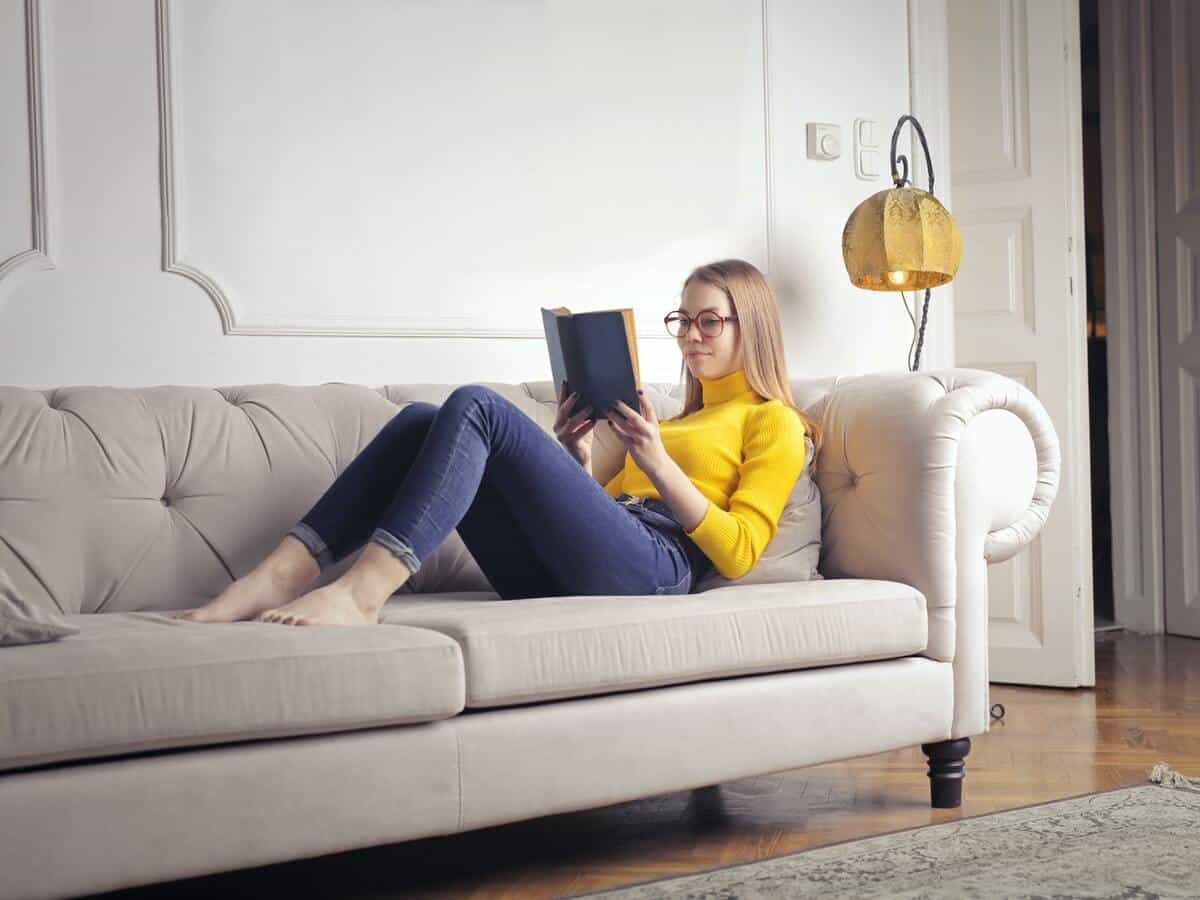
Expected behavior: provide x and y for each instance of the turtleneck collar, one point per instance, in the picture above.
(728, 387)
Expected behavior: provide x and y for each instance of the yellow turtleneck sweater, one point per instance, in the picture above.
(744, 454)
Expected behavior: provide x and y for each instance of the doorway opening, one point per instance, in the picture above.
(1097, 331)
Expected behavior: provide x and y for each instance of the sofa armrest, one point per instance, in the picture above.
(925, 479)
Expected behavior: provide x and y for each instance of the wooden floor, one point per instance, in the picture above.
(1052, 743)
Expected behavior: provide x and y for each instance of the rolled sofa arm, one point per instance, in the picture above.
(925, 479)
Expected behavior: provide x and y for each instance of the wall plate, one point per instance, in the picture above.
(867, 153)
(824, 140)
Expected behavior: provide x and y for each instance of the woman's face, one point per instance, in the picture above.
(709, 357)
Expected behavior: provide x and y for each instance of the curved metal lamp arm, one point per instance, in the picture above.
(902, 179)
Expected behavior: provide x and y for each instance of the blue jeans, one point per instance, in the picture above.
(537, 524)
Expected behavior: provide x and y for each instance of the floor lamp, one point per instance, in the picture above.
(903, 239)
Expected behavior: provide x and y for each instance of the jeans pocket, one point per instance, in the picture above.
(683, 586)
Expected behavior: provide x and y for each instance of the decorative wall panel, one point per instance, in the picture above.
(23, 217)
(462, 170)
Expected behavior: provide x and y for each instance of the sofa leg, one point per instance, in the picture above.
(946, 771)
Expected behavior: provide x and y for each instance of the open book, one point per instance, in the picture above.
(596, 354)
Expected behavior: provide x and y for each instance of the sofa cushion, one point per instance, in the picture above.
(117, 499)
(142, 681)
(534, 649)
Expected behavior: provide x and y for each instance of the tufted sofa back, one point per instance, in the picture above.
(154, 498)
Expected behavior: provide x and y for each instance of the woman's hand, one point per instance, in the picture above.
(640, 434)
(574, 432)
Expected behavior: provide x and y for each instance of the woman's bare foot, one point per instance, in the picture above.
(354, 599)
(334, 604)
(246, 598)
(280, 578)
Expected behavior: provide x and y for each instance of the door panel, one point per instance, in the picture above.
(1015, 137)
(1177, 174)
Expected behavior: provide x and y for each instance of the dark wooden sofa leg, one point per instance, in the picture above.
(946, 771)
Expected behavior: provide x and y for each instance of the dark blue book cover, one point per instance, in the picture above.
(596, 354)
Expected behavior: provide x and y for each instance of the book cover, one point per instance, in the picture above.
(596, 354)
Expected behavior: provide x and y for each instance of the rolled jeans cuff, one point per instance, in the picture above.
(314, 542)
(399, 549)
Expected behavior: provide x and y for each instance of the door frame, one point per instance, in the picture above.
(1131, 309)
(1078, 440)
(929, 101)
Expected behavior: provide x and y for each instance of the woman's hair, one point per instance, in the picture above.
(762, 339)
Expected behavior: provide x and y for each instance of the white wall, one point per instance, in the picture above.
(384, 193)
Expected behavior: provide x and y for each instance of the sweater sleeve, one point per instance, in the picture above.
(773, 450)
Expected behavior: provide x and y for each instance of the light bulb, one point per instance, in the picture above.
(897, 277)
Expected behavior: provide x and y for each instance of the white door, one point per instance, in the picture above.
(1177, 174)
(1017, 177)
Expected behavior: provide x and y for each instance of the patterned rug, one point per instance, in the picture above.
(1133, 842)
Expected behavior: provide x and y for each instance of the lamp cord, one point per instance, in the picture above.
(900, 178)
(921, 336)
(918, 332)
(911, 318)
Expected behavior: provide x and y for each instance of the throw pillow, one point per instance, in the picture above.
(795, 550)
(23, 623)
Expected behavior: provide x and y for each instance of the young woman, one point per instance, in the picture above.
(703, 488)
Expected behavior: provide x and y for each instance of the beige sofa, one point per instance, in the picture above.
(144, 749)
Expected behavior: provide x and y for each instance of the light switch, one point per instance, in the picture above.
(866, 133)
(824, 140)
(866, 158)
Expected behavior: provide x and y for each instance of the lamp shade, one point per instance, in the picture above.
(901, 239)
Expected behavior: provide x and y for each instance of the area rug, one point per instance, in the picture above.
(1133, 842)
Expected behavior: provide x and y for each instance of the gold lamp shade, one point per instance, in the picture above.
(901, 239)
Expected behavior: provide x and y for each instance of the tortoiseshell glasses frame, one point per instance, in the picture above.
(711, 323)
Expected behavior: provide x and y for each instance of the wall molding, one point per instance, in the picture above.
(1189, 486)
(1131, 301)
(211, 284)
(929, 101)
(768, 150)
(35, 81)
(1185, 166)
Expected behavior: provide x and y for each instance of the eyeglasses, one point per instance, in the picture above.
(711, 324)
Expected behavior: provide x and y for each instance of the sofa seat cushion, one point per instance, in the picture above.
(140, 681)
(522, 651)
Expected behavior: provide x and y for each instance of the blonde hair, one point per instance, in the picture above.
(762, 339)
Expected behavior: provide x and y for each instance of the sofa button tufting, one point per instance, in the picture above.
(164, 501)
